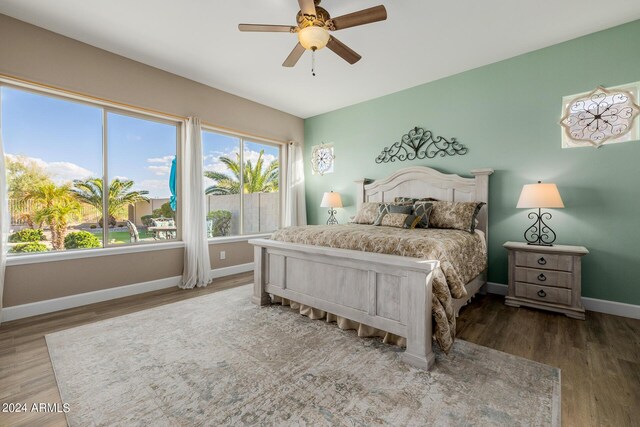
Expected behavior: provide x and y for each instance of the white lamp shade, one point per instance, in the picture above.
(331, 200)
(313, 37)
(540, 196)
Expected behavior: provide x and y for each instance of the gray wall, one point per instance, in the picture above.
(38, 55)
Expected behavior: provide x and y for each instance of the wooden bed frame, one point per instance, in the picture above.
(387, 292)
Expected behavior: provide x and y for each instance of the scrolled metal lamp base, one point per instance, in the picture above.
(332, 217)
(540, 234)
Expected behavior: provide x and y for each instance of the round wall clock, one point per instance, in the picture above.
(322, 159)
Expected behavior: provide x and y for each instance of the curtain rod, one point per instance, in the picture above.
(83, 96)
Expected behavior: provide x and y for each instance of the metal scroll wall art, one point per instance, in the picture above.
(421, 144)
(600, 115)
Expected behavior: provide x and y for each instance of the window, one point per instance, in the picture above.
(56, 166)
(261, 211)
(141, 161)
(232, 163)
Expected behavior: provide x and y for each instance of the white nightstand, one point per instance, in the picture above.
(546, 277)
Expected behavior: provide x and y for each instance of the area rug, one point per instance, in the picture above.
(219, 360)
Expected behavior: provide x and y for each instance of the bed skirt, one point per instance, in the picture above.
(342, 322)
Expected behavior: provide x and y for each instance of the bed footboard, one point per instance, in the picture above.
(387, 292)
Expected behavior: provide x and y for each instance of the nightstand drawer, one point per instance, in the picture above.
(560, 279)
(543, 293)
(544, 261)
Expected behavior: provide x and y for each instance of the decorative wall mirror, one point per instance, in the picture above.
(322, 158)
(600, 116)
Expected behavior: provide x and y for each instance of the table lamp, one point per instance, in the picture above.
(331, 200)
(539, 196)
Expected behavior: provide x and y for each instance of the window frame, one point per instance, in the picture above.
(105, 107)
(282, 159)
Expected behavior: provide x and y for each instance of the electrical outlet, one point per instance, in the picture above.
(223, 254)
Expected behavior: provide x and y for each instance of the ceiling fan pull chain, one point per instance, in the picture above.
(313, 62)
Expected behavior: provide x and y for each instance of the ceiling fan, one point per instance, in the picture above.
(314, 24)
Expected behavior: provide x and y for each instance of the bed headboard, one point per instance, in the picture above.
(422, 181)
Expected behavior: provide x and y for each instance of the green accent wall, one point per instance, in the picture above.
(507, 114)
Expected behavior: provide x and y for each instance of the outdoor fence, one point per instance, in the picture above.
(261, 211)
(19, 211)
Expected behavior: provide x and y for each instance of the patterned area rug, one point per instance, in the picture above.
(218, 360)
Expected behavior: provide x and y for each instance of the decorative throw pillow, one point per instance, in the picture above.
(456, 215)
(423, 211)
(411, 200)
(367, 214)
(399, 220)
(387, 208)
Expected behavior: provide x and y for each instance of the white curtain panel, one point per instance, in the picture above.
(295, 205)
(5, 221)
(194, 220)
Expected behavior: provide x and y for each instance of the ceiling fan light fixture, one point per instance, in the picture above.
(313, 37)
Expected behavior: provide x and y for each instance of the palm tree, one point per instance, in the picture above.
(58, 216)
(55, 206)
(255, 179)
(90, 192)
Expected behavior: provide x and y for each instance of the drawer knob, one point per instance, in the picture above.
(542, 277)
(542, 293)
(542, 261)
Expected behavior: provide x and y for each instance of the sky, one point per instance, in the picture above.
(216, 145)
(65, 138)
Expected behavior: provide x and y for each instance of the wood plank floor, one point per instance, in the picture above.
(599, 357)
(26, 374)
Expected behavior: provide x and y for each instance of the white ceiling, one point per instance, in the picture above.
(420, 42)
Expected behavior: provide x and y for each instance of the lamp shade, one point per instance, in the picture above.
(540, 196)
(313, 37)
(331, 200)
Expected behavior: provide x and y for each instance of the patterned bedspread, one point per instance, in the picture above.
(462, 257)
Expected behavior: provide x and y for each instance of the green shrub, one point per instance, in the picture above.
(27, 235)
(164, 211)
(112, 222)
(221, 223)
(29, 247)
(81, 240)
(146, 220)
(93, 226)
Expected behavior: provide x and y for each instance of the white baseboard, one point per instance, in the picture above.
(229, 271)
(48, 306)
(57, 304)
(611, 307)
(71, 301)
(591, 304)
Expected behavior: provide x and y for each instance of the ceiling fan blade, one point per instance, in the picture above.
(294, 56)
(307, 7)
(265, 28)
(343, 51)
(366, 16)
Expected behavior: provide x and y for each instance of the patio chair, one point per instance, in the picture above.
(133, 232)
